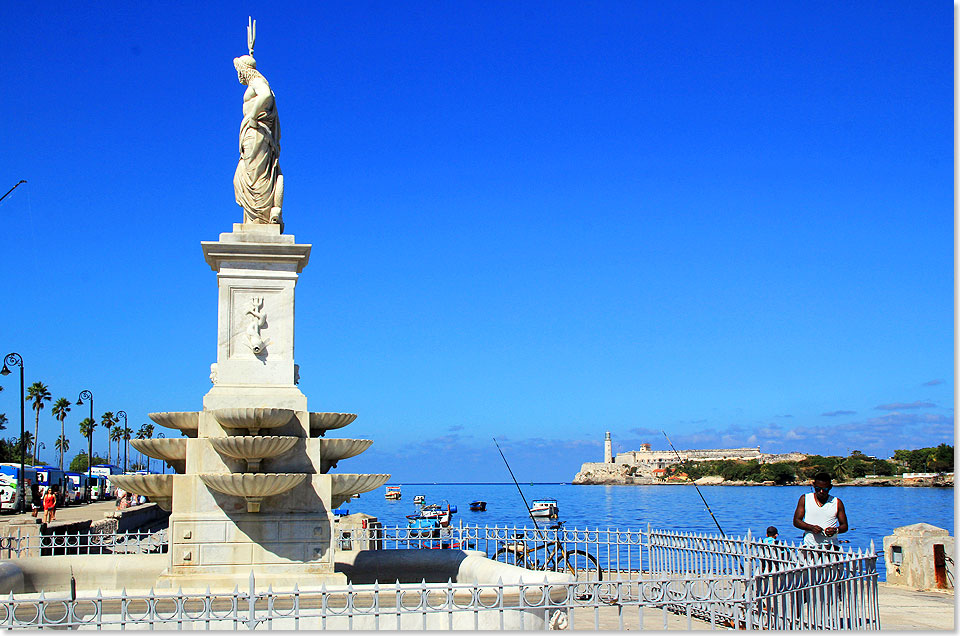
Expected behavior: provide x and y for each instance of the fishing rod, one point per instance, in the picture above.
(680, 459)
(535, 525)
(13, 188)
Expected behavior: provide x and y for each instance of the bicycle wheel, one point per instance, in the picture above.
(584, 565)
(537, 559)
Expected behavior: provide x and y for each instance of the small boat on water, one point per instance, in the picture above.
(393, 492)
(439, 512)
(545, 508)
(478, 506)
(418, 500)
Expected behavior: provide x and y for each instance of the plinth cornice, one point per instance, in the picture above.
(218, 252)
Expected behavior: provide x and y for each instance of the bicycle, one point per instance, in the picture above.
(550, 555)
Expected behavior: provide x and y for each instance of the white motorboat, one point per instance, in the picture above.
(545, 508)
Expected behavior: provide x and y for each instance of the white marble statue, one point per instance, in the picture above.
(258, 182)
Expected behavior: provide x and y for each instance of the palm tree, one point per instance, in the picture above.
(840, 468)
(116, 435)
(86, 429)
(145, 432)
(60, 409)
(127, 434)
(107, 420)
(63, 445)
(25, 442)
(37, 394)
(3, 421)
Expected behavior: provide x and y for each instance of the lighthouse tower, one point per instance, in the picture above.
(607, 449)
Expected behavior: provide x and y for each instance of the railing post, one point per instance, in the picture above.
(748, 591)
(252, 604)
(649, 550)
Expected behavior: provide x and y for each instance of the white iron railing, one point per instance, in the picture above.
(622, 579)
(23, 545)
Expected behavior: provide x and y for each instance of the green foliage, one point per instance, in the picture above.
(79, 463)
(10, 450)
(37, 394)
(939, 459)
(86, 427)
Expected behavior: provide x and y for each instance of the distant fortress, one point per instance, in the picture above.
(643, 466)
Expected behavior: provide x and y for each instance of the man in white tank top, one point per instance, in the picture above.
(820, 515)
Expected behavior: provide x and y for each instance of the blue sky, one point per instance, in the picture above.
(531, 221)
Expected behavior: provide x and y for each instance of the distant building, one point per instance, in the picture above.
(661, 459)
(650, 463)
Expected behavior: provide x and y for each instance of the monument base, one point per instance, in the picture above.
(240, 579)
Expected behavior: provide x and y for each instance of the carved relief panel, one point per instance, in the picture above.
(254, 314)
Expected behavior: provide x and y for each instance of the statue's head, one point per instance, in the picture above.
(246, 68)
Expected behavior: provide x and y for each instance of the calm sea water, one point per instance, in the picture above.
(872, 512)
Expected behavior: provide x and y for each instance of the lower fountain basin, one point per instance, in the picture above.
(343, 486)
(186, 422)
(252, 419)
(253, 486)
(159, 488)
(253, 449)
(320, 423)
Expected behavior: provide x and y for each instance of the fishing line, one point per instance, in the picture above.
(535, 525)
(695, 486)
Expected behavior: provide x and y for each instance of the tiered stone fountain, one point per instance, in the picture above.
(253, 488)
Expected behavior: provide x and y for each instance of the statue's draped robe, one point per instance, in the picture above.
(255, 181)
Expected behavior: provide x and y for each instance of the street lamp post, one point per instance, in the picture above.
(123, 415)
(14, 359)
(163, 463)
(88, 396)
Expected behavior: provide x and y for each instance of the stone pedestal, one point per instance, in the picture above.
(257, 270)
(261, 504)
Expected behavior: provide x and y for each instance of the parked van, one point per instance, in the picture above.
(98, 485)
(52, 476)
(76, 484)
(104, 471)
(10, 478)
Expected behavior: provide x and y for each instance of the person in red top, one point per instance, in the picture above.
(50, 504)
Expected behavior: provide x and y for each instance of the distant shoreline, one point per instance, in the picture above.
(879, 483)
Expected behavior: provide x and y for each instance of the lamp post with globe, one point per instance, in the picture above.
(14, 359)
(88, 396)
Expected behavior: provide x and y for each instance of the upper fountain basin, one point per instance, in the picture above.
(336, 449)
(184, 421)
(168, 449)
(322, 422)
